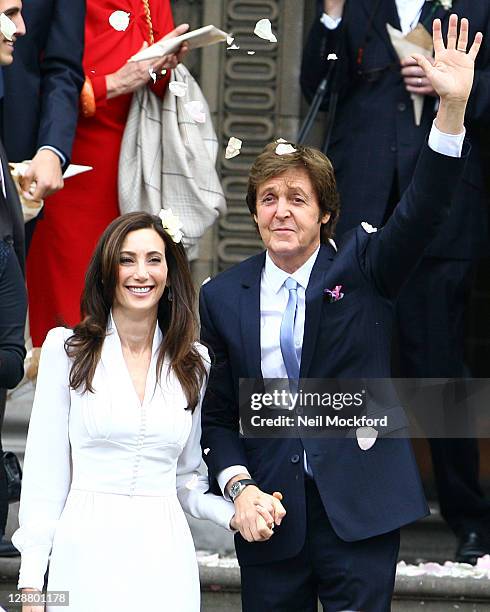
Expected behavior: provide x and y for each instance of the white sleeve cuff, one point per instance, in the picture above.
(224, 476)
(330, 23)
(446, 144)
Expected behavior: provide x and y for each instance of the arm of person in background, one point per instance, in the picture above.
(13, 310)
(134, 75)
(322, 40)
(394, 251)
(62, 81)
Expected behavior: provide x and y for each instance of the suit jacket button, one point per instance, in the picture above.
(402, 106)
(295, 459)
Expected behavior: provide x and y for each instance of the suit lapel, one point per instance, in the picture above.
(250, 316)
(429, 14)
(314, 303)
(386, 12)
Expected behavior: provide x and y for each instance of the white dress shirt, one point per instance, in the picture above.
(409, 12)
(274, 298)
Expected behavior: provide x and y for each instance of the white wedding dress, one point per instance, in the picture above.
(106, 481)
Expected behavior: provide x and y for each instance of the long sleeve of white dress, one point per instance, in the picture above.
(191, 484)
(47, 473)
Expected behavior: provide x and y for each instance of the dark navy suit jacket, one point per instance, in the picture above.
(365, 493)
(43, 85)
(374, 134)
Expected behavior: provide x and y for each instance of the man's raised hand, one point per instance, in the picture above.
(451, 74)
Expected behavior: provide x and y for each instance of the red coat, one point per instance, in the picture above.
(75, 217)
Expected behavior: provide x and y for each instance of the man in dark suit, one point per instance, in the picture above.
(268, 318)
(12, 322)
(40, 105)
(374, 147)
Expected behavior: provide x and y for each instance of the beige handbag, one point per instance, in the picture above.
(167, 159)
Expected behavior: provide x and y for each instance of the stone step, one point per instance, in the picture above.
(220, 585)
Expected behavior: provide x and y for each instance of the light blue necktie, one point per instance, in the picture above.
(288, 349)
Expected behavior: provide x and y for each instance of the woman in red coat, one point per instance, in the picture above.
(75, 217)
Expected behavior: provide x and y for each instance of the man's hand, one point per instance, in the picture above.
(43, 177)
(415, 79)
(452, 73)
(134, 75)
(334, 8)
(256, 513)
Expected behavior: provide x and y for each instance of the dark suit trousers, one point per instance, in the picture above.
(343, 575)
(431, 327)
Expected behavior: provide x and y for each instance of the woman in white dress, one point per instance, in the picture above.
(113, 450)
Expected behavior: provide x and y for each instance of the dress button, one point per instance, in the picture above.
(295, 459)
(402, 107)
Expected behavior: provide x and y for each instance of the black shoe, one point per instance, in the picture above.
(7, 549)
(471, 546)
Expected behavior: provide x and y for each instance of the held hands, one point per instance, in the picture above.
(451, 73)
(256, 513)
(43, 177)
(134, 75)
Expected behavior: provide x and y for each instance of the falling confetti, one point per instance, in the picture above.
(196, 111)
(152, 74)
(263, 29)
(7, 27)
(206, 450)
(332, 56)
(285, 149)
(178, 88)
(233, 148)
(233, 47)
(229, 39)
(250, 52)
(367, 227)
(366, 437)
(280, 140)
(119, 20)
(193, 482)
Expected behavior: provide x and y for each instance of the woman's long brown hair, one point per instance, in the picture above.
(176, 318)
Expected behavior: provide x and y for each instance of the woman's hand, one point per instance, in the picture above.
(134, 75)
(31, 607)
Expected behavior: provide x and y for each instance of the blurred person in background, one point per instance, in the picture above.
(76, 216)
(13, 299)
(374, 146)
(39, 113)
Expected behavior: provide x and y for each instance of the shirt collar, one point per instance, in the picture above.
(275, 277)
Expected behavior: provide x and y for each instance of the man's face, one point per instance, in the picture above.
(12, 9)
(289, 218)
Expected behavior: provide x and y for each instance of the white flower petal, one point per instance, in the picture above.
(263, 29)
(206, 450)
(233, 148)
(366, 437)
(178, 88)
(367, 227)
(119, 20)
(233, 47)
(230, 39)
(250, 52)
(285, 149)
(280, 140)
(332, 56)
(7, 27)
(152, 74)
(196, 111)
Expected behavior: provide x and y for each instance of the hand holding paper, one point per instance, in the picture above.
(32, 205)
(202, 37)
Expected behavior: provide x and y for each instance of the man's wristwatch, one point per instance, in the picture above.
(238, 486)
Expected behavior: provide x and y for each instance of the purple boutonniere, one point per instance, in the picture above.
(333, 295)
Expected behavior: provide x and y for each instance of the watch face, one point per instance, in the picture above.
(235, 489)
